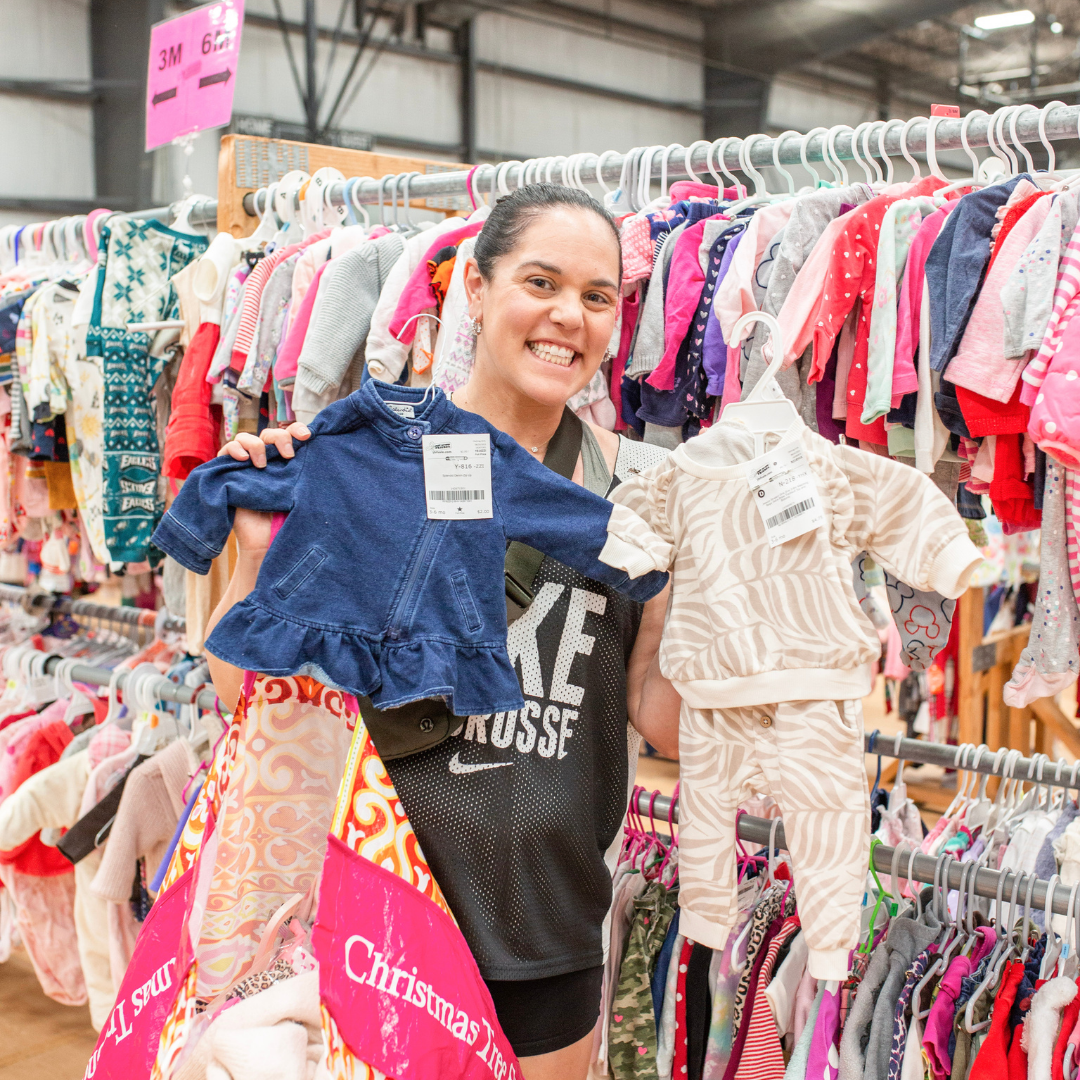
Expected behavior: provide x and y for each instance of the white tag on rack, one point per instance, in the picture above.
(457, 476)
(785, 493)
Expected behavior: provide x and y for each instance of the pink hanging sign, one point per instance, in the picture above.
(192, 71)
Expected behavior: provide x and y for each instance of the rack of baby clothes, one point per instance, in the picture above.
(948, 979)
(155, 343)
(947, 383)
(103, 743)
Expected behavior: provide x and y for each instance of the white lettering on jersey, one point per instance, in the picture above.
(502, 728)
(565, 731)
(477, 724)
(550, 741)
(574, 642)
(526, 739)
(520, 727)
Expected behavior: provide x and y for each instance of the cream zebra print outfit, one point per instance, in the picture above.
(770, 651)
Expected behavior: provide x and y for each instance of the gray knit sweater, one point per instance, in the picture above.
(342, 314)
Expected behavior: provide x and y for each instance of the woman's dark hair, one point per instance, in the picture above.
(514, 213)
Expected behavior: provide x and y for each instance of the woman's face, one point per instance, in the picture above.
(549, 309)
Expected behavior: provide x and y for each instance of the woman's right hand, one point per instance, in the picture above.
(248, 447)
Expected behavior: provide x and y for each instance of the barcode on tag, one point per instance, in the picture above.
(456, 496)
(790, 512)
(785, 494)
(457, 477)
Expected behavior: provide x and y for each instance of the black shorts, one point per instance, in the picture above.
(542, 1015)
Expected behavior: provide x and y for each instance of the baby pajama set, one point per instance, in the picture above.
(771, 652)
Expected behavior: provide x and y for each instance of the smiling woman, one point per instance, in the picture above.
(515, 810)
(543, 287)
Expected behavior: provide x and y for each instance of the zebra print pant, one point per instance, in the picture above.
(808, 755)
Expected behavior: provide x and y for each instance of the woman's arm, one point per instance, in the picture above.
(252, 531)
(651, 701)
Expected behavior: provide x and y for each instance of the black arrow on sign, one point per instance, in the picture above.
(209, 80)
(157, 99)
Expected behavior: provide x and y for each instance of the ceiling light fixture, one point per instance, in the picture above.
(1056, 27)
(1005, 20)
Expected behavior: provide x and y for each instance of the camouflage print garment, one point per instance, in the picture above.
(632, 1039)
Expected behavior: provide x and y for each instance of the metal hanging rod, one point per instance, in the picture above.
(941, 133)
(43, 602)
(923, 867)
(1021, 123)
(969, 758)
(167, 690)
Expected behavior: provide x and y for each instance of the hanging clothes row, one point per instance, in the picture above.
(945, 981)
(92, 790)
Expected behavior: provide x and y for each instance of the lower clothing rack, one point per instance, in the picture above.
(1037, 769)
(946, 869)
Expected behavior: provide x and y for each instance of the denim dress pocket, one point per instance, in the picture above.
(460, 581)
(301, 570)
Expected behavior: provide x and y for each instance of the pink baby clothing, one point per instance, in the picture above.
(418, 295)
(1066, 301)
(905, 378)
(681, 299)
(289, 353)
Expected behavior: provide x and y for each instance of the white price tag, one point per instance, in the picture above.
(457, 476)
(785, 493)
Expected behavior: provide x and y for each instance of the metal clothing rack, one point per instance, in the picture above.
(129, 617)
(1004, 128)
(1024, 123)
(923, 868)
(166, 689)
(1038, 768)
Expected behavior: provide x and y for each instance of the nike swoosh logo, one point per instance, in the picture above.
(458, 768)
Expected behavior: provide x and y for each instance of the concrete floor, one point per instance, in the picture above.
(39, 1039)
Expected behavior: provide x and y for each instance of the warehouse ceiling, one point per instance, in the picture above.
(932, 46)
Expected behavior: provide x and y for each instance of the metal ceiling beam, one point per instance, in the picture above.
(771, 37)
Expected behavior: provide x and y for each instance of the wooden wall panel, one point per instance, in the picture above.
(248, 162)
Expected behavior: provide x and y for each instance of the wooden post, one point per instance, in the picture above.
(984, 666)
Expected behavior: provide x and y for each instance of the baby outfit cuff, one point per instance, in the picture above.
(953, 567)
(828, 964)
(632, 546)
(624, 556)
(703, 931)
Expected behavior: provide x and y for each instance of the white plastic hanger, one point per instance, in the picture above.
(802, 154)
(879, 183)
(182, 222)
(830, 142)
(765, 410)
(285, 204)
(857, 152)
(776, 159)
(665, 158)
(688, 155)
(268, 220)
(719, 147)
(916, 168)
(931, 147)
(317, 212)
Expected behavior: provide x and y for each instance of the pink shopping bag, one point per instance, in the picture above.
(128, 1043)
(399, 980)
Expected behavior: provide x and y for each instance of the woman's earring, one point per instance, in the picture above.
(477, 327)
